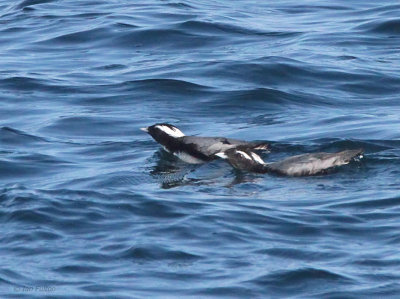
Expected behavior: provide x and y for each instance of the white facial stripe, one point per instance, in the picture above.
(244, 155)
(173, 132)
(257, 158)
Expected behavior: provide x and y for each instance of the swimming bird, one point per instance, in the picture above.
(195, 149)
(300, 165)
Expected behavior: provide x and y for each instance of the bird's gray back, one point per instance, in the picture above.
(212, 145)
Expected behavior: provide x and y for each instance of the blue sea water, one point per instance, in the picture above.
(90, 206)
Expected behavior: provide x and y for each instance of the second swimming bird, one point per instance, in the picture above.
(300, 165)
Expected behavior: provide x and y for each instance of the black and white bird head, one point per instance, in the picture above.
(244, 159)
(163, 133)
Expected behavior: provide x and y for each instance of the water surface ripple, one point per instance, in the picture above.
(91, 207)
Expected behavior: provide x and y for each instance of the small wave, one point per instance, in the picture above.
(158, 209)
(391, 27)
(342, 144)
(29, 216)
(27, 3)
(12, 170)
(158, 87)
(374, 288)
(257, 99)
(226, 292)
(208, 28)
(13, 274)
(382, 203)
(165, 85)
(310, 280)
(163, 39)
(29, 84)
(180, 5)
(24, 83)
(264, 71)
(11, 136)
(156, 253)
(81, 37)
(309, 9)
(78, 269)
(381, 10)
(83, 126)
(300, 254)
(6, 281)
(110, 67)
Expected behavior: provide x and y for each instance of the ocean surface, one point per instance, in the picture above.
(90, 206)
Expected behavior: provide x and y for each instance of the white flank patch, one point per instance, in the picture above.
(257, 158)
(144, 130)
(173, 132)
(188, 158)
(244, 155)
(222, 155)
